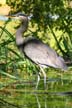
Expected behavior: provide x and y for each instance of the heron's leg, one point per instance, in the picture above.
(44, 74)
(38, 79)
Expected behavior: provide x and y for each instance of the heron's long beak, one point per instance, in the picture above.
(15, 16)
(9, 16)
(12, 16)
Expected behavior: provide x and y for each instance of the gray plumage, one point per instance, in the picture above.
(37, 51)
(42, 54)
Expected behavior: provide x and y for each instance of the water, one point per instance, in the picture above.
(36, 100)
(24, 95)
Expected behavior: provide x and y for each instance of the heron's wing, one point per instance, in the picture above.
(40, 53)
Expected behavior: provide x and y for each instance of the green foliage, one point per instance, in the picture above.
(43, 12)
(12, 63)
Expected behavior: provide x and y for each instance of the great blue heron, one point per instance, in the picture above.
(37, 51)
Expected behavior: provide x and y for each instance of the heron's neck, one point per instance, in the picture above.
(19, 33)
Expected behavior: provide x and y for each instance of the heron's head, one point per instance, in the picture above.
(20, 16)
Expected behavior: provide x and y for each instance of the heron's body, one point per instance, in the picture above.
(37, 51)
(40, 53)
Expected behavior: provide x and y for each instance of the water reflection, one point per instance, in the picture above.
(55, 100)
(36, 99)
(39, 104)
(23, 95)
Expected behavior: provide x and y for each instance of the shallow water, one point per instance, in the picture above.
(36, 100)
(24, 95)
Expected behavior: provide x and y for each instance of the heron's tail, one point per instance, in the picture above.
(61, 64)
